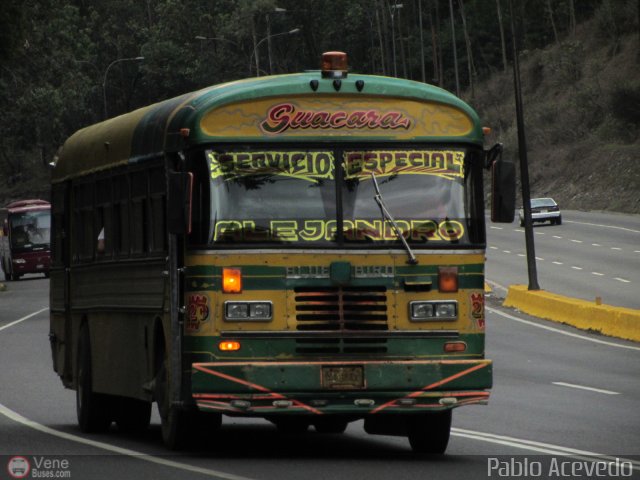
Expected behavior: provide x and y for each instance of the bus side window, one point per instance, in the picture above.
(157, 189)
(121, 215)
(139, 213)
(103, 217)
(83, 243)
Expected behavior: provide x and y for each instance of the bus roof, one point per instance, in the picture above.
(26, 205)
(286, 108)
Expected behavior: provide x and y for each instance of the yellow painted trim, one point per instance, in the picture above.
(294, 258)
(609, 320)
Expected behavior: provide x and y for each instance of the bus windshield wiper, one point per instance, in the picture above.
(386, 215)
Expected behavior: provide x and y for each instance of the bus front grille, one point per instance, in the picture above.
(341, 309)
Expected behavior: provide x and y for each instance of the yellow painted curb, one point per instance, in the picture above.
(487, 288)
(613, 321)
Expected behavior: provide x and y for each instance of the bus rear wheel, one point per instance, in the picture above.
(429, 434)
(94, 410)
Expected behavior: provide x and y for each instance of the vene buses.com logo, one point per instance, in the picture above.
(18, 467)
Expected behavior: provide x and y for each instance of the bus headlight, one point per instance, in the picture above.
(433, 311)
(248, 311)
(19, 260)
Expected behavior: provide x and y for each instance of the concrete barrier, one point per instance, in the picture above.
(613, 321)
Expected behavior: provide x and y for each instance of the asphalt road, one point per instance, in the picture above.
(590, 255)
(558, 392)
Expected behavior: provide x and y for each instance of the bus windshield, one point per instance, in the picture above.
(322, 197)
(30, 229)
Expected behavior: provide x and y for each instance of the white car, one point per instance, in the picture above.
(543, 210)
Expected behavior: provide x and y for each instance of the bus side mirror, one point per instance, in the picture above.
(179, 193)
(503, 186)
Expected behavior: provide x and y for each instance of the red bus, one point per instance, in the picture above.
(25, 245)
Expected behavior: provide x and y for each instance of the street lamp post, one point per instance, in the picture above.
(217, 39)
(395, 7)
(275, 10)
(104, 78)
(268, 37)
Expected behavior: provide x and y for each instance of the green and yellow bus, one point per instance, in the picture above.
(305, 248)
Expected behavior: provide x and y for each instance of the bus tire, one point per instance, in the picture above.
(133, 415)
(94, 410)
(429, 434)
(174, 421)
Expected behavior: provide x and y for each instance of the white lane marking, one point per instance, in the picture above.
(540, 258)
(617, 249)
(596, 245)
(529, 445)
(27, 317)
(16, 417)
(521, 255)
(582, 387)
(605, 226)
(540, 447)
(557, 330)
(506, 251)
(623, 280)
(576, 268)
(496, 285)
(493, 248)
(496, 228)
(557, 236)
(576, 241)
(558, 263)
(598, 274)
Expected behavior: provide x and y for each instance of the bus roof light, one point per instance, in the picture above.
(231, 280)
(334, 65)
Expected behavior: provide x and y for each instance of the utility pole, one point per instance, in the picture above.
(524, 166)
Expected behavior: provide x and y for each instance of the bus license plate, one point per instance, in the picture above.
(342, 378)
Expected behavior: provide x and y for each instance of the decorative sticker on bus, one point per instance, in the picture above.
(314, 166)
(325, 230)
(287, 116)
(310, 166)
(477, 309)
(336, 116)
(448, 164)
(198, 312)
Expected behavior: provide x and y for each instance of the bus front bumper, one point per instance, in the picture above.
(347, 387)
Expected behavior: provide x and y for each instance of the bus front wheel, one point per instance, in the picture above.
(93, 409)
(429, 434)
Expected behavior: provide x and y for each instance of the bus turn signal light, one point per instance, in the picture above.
(229, 346)
(231, 280)
(452, 347)
(448, 279)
